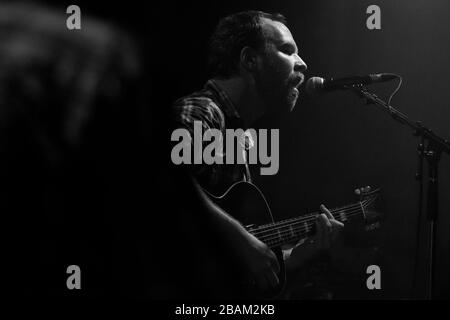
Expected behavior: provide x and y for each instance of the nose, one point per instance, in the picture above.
(300, 65)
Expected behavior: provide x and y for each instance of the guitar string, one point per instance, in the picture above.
(287, 235)
(269, 232)
(304, 218)
(281, 236)
(286, 228)
(276, 235)
(312, 215)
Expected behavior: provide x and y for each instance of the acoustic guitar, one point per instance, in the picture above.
(246, 203)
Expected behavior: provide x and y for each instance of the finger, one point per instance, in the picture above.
(324, 222)
(337, 224)
(326, 211)
(337, 227)
(328, 225)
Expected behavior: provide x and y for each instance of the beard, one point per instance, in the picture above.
(292, 98)
(277, 86)
(279, 94)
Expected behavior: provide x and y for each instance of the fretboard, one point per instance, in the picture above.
(295, 229)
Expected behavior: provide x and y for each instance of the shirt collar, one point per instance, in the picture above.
(227, 105)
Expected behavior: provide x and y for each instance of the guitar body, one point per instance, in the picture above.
(246, 203)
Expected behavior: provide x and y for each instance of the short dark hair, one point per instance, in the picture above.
(233, 33)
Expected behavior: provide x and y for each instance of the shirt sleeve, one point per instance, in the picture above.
(185, 113)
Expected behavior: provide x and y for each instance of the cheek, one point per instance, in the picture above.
(275, 71)
(284, 67)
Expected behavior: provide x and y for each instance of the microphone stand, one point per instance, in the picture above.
(432, 151)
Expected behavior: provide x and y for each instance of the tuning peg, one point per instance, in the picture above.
(362, 190)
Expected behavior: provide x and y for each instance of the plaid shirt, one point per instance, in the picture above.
(214, 109)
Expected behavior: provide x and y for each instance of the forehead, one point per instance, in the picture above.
(276, 32)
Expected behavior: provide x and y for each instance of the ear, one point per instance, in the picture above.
(248, 59)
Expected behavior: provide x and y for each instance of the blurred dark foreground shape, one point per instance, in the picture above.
(83, 171)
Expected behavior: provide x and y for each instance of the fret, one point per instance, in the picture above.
(362, 209)
(306, 226)
(280, 235)
(286, 232)
(292, 231)
(271, 242)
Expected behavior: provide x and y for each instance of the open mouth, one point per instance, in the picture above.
(298, 81)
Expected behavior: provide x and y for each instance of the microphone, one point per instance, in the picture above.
(317, 85)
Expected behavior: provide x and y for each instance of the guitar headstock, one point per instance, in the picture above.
(367, 192)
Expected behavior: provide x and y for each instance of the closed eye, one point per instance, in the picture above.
(288, 49)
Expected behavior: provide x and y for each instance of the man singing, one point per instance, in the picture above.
(256, 70)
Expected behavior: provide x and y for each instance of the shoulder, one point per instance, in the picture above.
(199, 106)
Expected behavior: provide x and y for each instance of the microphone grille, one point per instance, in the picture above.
(314, 85)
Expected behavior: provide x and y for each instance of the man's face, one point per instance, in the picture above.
(279, 68)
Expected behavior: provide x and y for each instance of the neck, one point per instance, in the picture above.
(302, 227)
(244, 96)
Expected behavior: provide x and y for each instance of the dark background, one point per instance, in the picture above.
(332, 144)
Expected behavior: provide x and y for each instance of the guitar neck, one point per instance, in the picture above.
(302, 227)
